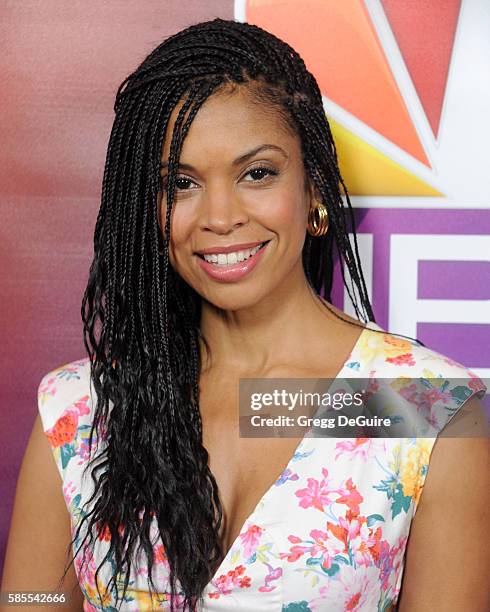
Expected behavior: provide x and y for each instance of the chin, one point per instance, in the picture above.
(233, 298)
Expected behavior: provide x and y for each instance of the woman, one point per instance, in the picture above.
(221, 207)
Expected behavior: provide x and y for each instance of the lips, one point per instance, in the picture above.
(231, 249)
(229, 273)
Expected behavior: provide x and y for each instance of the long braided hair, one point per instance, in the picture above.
(141, 320)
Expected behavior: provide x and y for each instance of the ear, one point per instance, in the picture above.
(313, 197)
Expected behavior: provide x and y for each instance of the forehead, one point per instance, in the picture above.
(229, 122)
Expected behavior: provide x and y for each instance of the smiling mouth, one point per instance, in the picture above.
(228, 259)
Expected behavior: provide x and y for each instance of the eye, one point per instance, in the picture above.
(181, 183)
(258, 173)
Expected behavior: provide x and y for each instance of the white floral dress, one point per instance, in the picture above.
(329, 535)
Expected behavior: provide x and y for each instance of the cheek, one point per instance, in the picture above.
(288, 212)
(181, 224)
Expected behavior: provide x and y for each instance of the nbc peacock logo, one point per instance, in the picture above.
(383, 97)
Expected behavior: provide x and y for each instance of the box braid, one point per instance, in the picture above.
(141, 320)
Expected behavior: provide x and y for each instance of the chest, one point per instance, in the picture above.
(244, 468)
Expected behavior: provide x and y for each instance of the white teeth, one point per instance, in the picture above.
(227, 259)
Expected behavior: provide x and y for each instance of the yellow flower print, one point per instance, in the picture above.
(93, 595)
(436, 381)
(414, 467)
(370, 345)
(374, 344)
(395, 462)
(147, 602)
(394, 347)
(398, 383)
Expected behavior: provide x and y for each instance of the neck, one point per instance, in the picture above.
(268, 332)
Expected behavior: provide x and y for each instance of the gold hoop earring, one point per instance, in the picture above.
(317, 221)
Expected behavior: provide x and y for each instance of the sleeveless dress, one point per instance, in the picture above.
(329, 535)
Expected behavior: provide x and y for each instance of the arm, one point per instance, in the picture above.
(40, 528)
(448, 554)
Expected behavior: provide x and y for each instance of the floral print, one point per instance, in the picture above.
(330, 534)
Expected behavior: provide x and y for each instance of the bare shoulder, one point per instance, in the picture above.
(39, 534)
(447, 556)
(339, 314)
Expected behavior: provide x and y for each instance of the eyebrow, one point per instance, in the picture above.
(239, 160)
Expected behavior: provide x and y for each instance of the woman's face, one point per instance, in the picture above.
(240, 184)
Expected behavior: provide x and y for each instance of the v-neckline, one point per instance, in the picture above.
(259, 505)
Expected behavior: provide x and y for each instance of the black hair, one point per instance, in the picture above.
(142, 321)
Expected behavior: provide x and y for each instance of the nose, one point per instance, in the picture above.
(221, 209)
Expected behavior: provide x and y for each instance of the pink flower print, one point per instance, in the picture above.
(85, 567)
(324, 547)
(434, 395)
(317, 494)
(83, 449)
(356, 538)
(410, 393)
(359, 448)
(372, 388)
(405, 359)
(433, 421)
(361, 539)
(295, 552)
(321, 546)
(82, 405)
(46, 388)
(286, 475)
(225, 583)
(349, 446)
(413, 395)
(68, 490)
(355, 590)
(250, 540)
(475, 384)
(351, 497)
(274, 574)
(389, 560)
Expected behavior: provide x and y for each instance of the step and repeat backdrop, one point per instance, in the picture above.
(405, 88)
